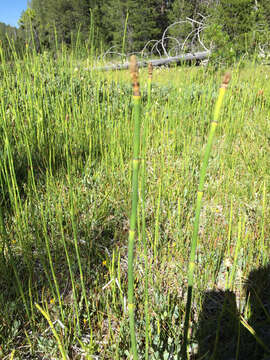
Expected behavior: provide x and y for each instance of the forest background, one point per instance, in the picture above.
(232, 28)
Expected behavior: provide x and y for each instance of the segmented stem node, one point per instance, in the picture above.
(134, 72)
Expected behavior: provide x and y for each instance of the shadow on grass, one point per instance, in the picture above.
(222, 336)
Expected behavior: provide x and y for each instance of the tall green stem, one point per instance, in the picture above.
(133, 217)
(143, 194)
(125, 34)
(149, 83)
(191, 267)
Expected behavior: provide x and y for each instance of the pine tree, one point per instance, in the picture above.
(145, 21)
(240, 19)
(130, 24)
(29, 23)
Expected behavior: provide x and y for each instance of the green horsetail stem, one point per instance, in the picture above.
(191, 267)
(149, 84)
(143, 195)
(146, 266)
(133, 218)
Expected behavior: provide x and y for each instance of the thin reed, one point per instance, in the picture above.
(134, 204)
(192, 265)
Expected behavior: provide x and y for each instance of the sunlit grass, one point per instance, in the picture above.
(65, 176)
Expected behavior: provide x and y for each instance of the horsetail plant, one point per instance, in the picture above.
(149, 83)
(191, 266)
(143, 193)
(133, 218)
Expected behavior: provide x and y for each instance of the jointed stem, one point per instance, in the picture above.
(133, 217)
(191, 267)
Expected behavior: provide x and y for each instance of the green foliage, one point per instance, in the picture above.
(29, 24)
(232, 28)
(10, 41)
(146, 20)
(265, 7)
(235, 28)
(65, 178)
(223, 52)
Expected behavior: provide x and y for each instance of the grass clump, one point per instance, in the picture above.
(65, 175)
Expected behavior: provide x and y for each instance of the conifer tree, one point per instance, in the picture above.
(240, 20)
(239, 25)
(145, 21)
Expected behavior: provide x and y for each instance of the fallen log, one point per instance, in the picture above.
(157, 62)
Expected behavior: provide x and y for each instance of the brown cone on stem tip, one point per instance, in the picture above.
(134, 72)
(226, 80)
(150, 70)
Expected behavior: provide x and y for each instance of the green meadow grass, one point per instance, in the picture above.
(66, 139)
